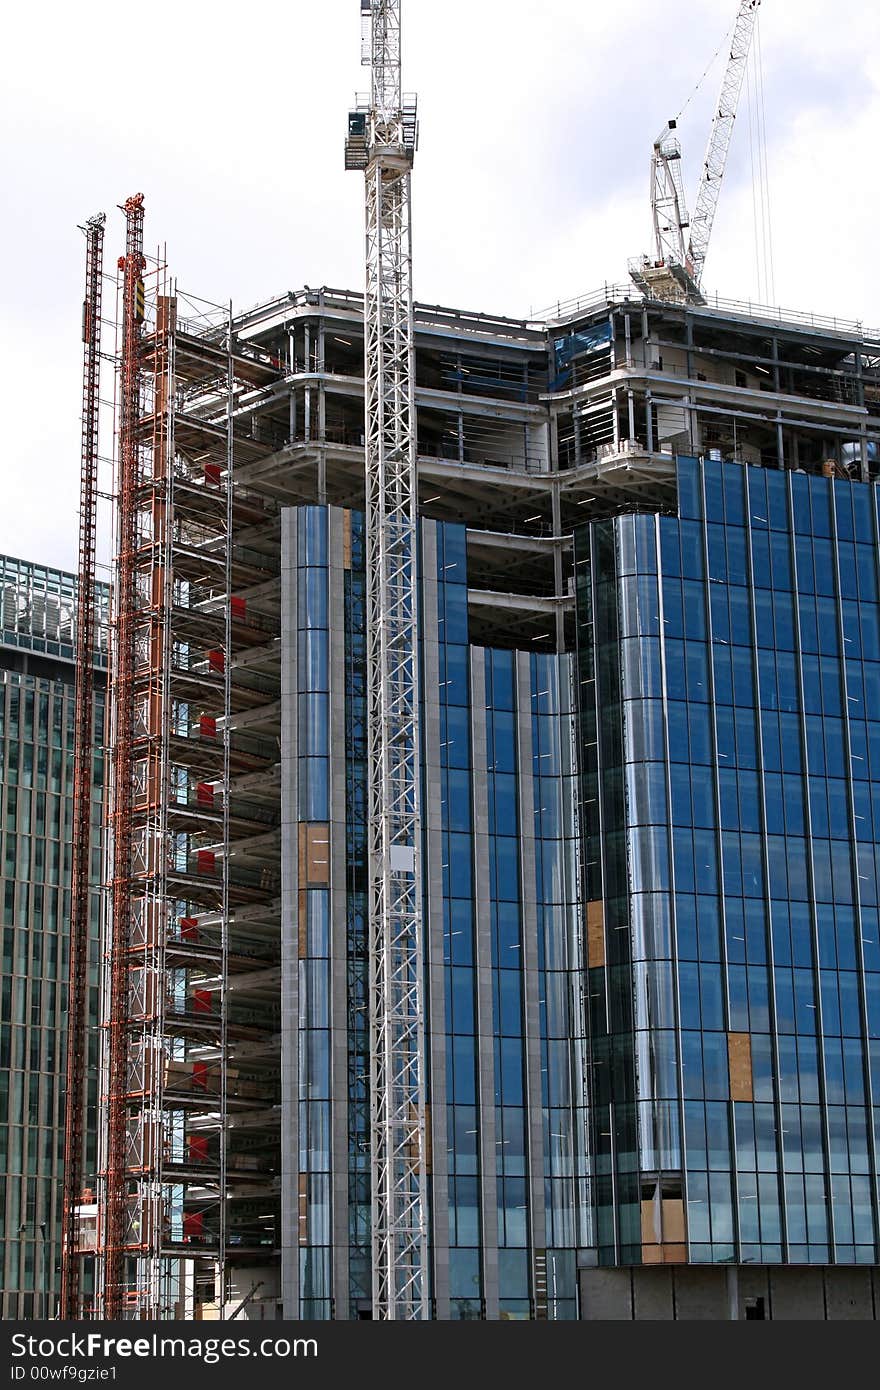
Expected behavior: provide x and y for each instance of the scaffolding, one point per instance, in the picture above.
(191, 941)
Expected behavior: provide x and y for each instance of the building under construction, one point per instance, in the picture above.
(644, 546)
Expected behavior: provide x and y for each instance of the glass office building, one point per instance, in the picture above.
(729, 677)
(37, 637)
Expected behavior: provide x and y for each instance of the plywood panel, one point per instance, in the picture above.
(675, 1254)
(596, 933)
(739, 1052)
(346, 539)
(314, 855)
(673, 1221)
(318, 854)
(651, 1232)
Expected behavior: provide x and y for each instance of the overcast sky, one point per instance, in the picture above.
(531, 182)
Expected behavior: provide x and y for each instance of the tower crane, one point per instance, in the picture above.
(382, 139)
(682, 242)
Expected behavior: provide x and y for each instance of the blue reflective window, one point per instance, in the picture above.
(733, 483)
(737, 557)
(314, 732)
(866, 564)
(312, 598)
(715, 1066)
(777, 499)
(312, 536)
(780, 559)
(761, 568)
(499, 673)
(714, 492)
(690, 499)
(457, 786)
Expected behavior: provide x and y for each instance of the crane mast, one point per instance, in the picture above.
(382, 141)
(83, 761)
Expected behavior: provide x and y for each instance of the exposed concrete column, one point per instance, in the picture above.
(553, 442)
(556, 504)
(307, 352)
(864, 463)
(733, 1293)
(322, 398)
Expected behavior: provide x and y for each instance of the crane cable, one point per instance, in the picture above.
(712, 61)
(761, 213)
(754, 184)
(766, 170)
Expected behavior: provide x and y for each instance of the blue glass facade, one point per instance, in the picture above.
(729, 661)
(37, 643)
(313, 785)
(508, 1179)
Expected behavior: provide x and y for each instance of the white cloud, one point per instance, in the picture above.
(531, 181)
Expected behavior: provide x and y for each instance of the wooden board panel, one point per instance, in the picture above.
(673, 1221)
(739, 1053)
(596, 933)
(318, 854)
(651, 1232)
(314, 855)
(675, 1255)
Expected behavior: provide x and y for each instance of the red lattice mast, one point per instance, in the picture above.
(114, 1234)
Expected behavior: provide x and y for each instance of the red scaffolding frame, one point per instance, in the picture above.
(114, 1215)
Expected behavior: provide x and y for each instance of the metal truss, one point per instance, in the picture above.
(668, 203)
(113, 1179)
(397, 1081)
(720, 136)
(83, 762)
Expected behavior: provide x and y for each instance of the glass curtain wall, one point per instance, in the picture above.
(741, 656)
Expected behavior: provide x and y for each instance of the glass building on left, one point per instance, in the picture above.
(37, 676)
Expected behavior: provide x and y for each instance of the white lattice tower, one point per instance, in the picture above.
(387, 137)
